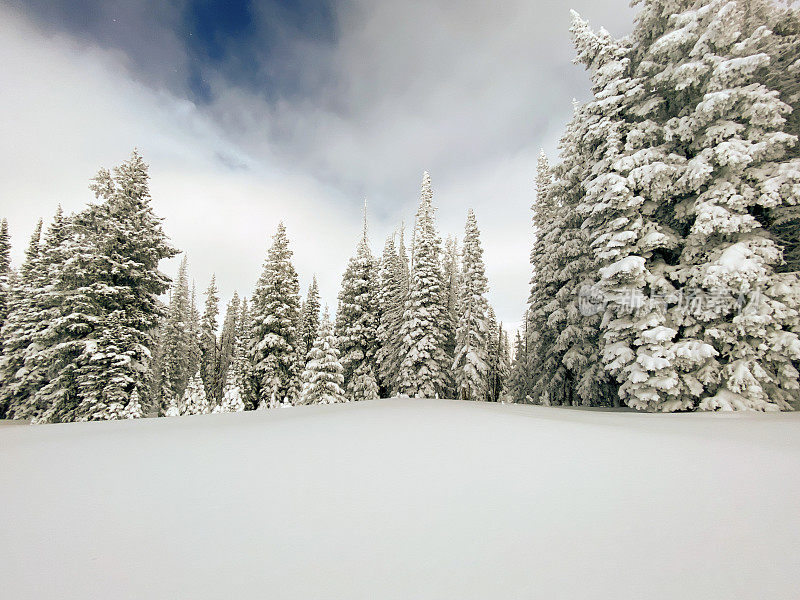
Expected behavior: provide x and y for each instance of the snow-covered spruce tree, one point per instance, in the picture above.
(5, 271)
(5, 247)
(493, 375)
(783, 75)
(177, 339)
(124, 280)
(232, 396)
(102, 302)
(422, 332)
(134, 408)
(34, 303)
(450, 282)
(309, 321)
(720, 158)
(402, 255)
(357, 322)
(172, 409)
(625, 232)
(33, 249)
(195, 400)
(504, 365)
(546, 370)
(274, 336)
(209, 345)
(323, 377)
(391, 298)
(470, 366)
(518, 376)
(227, 340)
(244, 335)
(195, 353)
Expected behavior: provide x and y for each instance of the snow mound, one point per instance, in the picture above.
(404, 499)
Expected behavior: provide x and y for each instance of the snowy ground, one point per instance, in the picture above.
(404, 499)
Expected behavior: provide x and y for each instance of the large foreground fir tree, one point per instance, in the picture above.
(96, 287)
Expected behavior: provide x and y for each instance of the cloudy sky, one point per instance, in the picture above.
(254, 112)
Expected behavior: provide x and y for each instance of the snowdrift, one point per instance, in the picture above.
(404, 499)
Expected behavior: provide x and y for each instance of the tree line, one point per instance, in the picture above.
(665, 264)
(85, 335)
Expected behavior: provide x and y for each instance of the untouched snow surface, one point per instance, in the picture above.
(404, 499)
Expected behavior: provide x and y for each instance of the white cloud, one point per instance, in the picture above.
(468, 91)
(70, 109)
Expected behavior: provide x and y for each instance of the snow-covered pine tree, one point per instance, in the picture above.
(450, 283)
(391, 298)
(5, 271)
(783, 75)
(402, 255)
(123, 283)
(492, 357)
(33, 249)
(134, 408)
(357, 321)
(227, 339)
(471, 363)
(209, 345)
(545, 368)
(34, 303)
(274, 341)
(713, 159)
(195, 400)
(232, 396)
(422, 332)
(244, 331)
(517, 382)
(504, 365)
(194, 331)
(309, 321)
(177, 339)
(172, 409)
(323, 378)
(616, 219)
(100, 300)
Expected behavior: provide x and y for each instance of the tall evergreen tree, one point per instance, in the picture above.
(195, 399)
(450, 283)
(518, 376)
(209, 344)
(309, 321)
(5, 271)
(244, 336)
(274, 342)
(323, 378)
(5, 247)
(226, 344)
(34, 248)
(471, 366)
(357, 321)
(391, 298)
(177, 340)
(711, 157)
(99, 297)
(123, 279)
(33, 304)
(422, 332)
